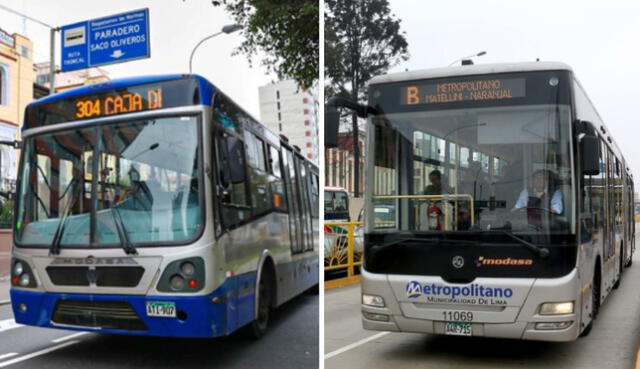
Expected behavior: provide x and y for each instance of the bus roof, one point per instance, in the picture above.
(467, 70)
(206, 88)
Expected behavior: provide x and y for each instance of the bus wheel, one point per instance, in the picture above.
(617, 284)
(258, 327)
(595, 302)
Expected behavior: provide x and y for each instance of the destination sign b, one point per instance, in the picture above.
(464, 90)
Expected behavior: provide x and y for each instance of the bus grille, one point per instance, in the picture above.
(102, 276)
(98, 314)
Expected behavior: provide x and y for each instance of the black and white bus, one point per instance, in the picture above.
(513, 203)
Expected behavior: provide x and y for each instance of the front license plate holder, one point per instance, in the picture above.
(163, 309)
(457, 329)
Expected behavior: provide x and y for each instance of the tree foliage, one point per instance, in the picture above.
(362, 39)
(286, 31)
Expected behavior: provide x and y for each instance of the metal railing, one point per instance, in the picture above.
(342, 253)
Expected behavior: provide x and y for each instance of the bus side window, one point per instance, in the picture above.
(232, 187)
(276, 183)
(258, 174)
(314, 189)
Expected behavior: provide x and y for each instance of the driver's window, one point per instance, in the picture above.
(231, 181)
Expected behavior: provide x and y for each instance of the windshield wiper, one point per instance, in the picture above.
(430, 241)
(125, 243)
(542, 252)
(54, 249)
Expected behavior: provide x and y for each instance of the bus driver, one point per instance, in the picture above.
(539, 197)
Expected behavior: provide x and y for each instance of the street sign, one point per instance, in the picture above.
(113, 39)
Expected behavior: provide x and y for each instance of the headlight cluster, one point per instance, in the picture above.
(186, 275)
(21, 274)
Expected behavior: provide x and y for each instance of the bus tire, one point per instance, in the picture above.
(258, 327)
(595, 301)
(617, 284)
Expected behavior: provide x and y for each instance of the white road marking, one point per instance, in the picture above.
(8, 324)
(65, 338)
(353, 345)
(37, 353)
(4, 356)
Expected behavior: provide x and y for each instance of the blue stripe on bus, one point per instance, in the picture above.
(204, 318)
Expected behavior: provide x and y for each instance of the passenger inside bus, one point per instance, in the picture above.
(436, 187)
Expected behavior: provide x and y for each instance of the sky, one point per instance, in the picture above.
(176, 26)
(600, 40)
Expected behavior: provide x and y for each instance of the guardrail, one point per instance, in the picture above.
(343, 246)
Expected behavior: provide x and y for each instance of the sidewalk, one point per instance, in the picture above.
(5, 271)
(4, 290)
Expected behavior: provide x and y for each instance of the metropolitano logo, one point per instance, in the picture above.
(414, 289)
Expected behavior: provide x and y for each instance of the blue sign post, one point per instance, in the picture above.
(113, 39)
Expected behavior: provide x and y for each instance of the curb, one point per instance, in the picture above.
(4, 302)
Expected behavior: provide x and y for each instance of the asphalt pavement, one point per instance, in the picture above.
(613, 342)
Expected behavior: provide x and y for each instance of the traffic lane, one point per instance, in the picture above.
(613, 342)
(342, 318)
(17, 340)
(291, 342)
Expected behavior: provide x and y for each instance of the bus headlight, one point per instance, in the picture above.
(372, 300)
(184, 275)
(556, 308)
(187, 268)
(18, 268)
(25, 280)
(21, 274)
(177, 282)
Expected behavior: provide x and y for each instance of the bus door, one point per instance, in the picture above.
(303, 186)
(293, 200)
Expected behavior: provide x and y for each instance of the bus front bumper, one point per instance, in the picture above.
(408, 309)
(216, 314)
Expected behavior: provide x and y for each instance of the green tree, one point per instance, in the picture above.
(286, 31)
(362, 39)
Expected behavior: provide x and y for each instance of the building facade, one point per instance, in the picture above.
(293, 112)
(69, 80)
(339, 163)
(16, 91)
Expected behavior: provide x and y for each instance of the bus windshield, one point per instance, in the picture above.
(477, 169)
(93, 183)
(336, 205)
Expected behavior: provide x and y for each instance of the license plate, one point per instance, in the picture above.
(161, 308)
(457, 329)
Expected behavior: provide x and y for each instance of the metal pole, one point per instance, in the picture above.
(52, 64)
(200, 43)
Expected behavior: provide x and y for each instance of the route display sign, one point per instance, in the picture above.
(113, 39)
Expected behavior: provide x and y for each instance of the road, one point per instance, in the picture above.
(292, 342)
(613, 342)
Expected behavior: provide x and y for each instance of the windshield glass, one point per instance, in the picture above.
(473, 169)
(144, 173)
(336, 205)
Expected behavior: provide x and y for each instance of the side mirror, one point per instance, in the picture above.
(331, 124)
(590, 153)
(235, 159)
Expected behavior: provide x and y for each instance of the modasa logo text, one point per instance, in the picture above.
(482, 261)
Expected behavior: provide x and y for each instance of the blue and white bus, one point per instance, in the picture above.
(157, 206)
